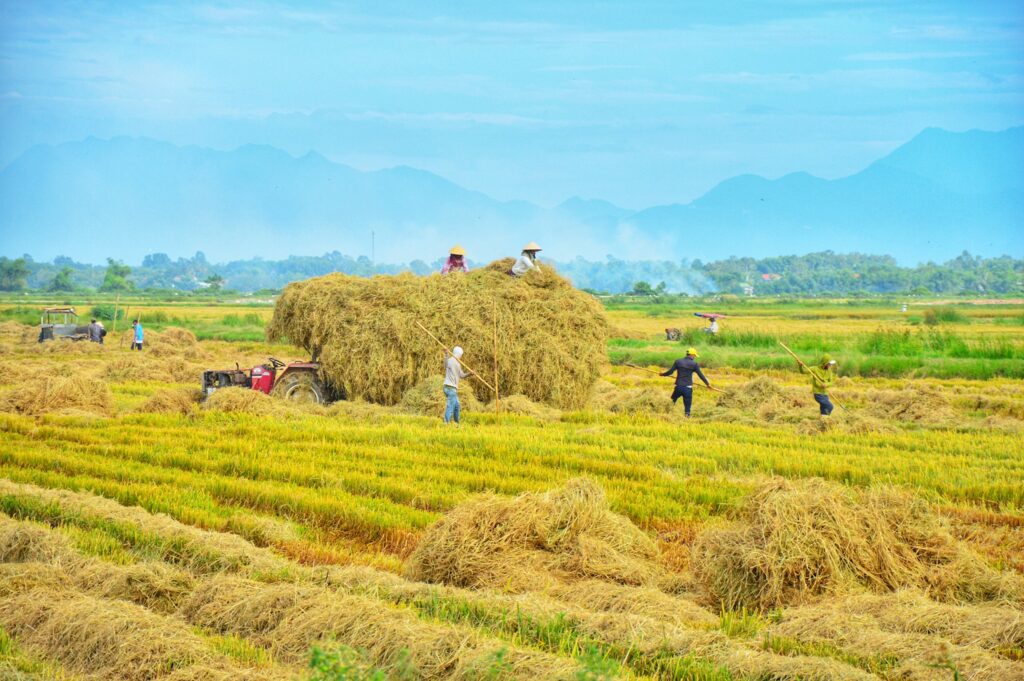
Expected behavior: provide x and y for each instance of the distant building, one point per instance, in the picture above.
(771, 276)
(748, 290)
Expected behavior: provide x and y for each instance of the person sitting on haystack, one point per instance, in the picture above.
(456, 260)
(453, 371)
(527, 260)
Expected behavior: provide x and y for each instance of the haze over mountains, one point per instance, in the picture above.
(938, 194)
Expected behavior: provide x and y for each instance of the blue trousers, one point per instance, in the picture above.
(452, 408)
(824, 403)
(686, 392)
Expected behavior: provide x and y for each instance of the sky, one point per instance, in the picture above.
(638, 103)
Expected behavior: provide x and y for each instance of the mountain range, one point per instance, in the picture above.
(933, 197)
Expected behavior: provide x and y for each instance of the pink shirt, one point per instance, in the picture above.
(451, 264)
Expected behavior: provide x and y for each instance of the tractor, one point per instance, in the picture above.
(61, 322)
(299, 381)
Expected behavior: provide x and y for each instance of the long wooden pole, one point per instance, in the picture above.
(117, 301)
(446, 349)
(126, 311)
(658, 373)
(497, 402)
(801, 363)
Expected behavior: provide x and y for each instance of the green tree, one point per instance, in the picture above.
(642, 288)
(116, 277)
(215, 281)
(13, 274)
(62, 281)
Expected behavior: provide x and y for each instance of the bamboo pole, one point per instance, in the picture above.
(126, 316)
(801, 363)
(448, 350)
(117, 301)
(658, 373)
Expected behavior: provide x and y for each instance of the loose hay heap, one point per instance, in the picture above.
(534, 540)
(59, 394)
(797, 540)
(551, 337)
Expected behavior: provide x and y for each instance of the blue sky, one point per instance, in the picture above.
(636, 102)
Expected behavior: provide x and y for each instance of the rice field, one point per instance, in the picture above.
(146, 536)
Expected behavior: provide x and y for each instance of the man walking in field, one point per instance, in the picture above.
(136, 335)
(822, 377)
(684, 369)
(453, 371)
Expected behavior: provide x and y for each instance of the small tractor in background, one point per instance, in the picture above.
(298, 381)
(61, 322)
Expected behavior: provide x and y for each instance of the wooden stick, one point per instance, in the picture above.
(126, 311)
(446, 349)
(658, 373)
(801, 363)
(117, 301)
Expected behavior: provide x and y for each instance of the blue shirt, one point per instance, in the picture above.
(138, 333)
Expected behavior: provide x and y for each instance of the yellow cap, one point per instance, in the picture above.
(532, 246)
(692, 351)
(457, 250)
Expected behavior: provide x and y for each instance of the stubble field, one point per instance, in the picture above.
(143, 535)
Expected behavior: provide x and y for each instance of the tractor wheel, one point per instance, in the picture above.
(301, 386)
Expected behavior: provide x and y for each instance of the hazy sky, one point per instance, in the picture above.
(635, 102)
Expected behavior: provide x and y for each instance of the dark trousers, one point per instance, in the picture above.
(824, 403)
(686, 392)
(136, 345)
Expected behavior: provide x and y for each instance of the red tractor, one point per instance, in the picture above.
(299, 381)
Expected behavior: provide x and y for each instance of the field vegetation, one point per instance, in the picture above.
(145, 535)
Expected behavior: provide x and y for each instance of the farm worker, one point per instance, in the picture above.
(713, 327)
(103, 331)
(95, 332)
(822, 377)
(453, 371)
(683, 369)
(136, 335)
(456, 260)
(527, 260)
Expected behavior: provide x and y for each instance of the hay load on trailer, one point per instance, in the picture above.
(550, 336)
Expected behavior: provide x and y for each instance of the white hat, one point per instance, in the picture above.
(457, 352)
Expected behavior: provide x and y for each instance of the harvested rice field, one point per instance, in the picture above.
(596, 535)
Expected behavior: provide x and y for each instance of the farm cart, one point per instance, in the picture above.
(298, 381)
(61, 322)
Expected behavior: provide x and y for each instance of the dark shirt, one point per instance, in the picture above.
(684, 369)
(95, 333)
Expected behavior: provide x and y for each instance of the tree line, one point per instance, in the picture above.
(814, 274)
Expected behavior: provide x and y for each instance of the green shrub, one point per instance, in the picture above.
(105, 312)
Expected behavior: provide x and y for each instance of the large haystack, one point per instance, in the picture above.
(798, 540)
(59, 394)
(550, 336)
(534, 541)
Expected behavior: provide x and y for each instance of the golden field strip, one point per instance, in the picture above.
(222, 543)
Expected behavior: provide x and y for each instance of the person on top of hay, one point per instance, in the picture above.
(453, 371)
(527, 260)
(684, 369)
(822, 377)
(456, 260)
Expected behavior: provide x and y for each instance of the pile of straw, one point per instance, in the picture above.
(521, 405)
(550, 336)
(241, 401)
(802, 539)
(914, 405)
(521, 544)
(59, 394)
(173, 401)
(607, 396)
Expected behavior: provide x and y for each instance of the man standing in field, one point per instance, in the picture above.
(822, 377)
(683, 369)
(136, 335)
(453, 371)
(95, 332)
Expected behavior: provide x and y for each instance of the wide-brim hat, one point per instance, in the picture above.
(532, 246)
(457, 250)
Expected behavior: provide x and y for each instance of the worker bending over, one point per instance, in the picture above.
(456, 260)
(822, 377)
(683, 369)
(527, 260)
(453, 371)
